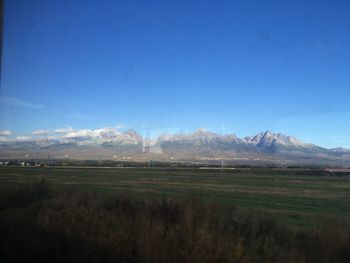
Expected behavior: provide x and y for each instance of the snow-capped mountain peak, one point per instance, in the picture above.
(200, 144)
(270, 139)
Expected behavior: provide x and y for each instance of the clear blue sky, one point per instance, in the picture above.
(227, 66)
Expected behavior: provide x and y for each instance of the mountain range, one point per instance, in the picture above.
(200, 146)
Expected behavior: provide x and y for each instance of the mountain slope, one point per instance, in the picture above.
(201, 145)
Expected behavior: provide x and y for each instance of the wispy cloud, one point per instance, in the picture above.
(107, 132)
(20, 103)
(121, 126)
(40, 132)
(23, 138)
(66, 133)
(65, 129)
(5, 133)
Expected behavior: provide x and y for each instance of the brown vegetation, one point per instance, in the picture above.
(40, 225)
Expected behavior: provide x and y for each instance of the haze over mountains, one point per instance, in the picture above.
(199, 146)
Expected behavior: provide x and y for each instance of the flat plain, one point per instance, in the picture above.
(294, 197)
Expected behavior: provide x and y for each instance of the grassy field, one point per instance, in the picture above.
(104, 215)
(294, 197)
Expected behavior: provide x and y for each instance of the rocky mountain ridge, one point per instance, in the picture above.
(201, 145)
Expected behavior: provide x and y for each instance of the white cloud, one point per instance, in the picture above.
(3, 139)
(40, 132)
(121, 126)
(66, 133)
(53, 137)
(65, 129)
(5, 133)
(17, 102)
(79, 133)
(23, 138)
(106, 133)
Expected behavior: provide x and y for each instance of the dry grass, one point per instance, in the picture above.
(39, 225)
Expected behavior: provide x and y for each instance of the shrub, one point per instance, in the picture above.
(39, 225)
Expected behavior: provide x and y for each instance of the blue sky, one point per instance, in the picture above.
(227, 66)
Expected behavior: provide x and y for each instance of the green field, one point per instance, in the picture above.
(293, 197)
(76, 214)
